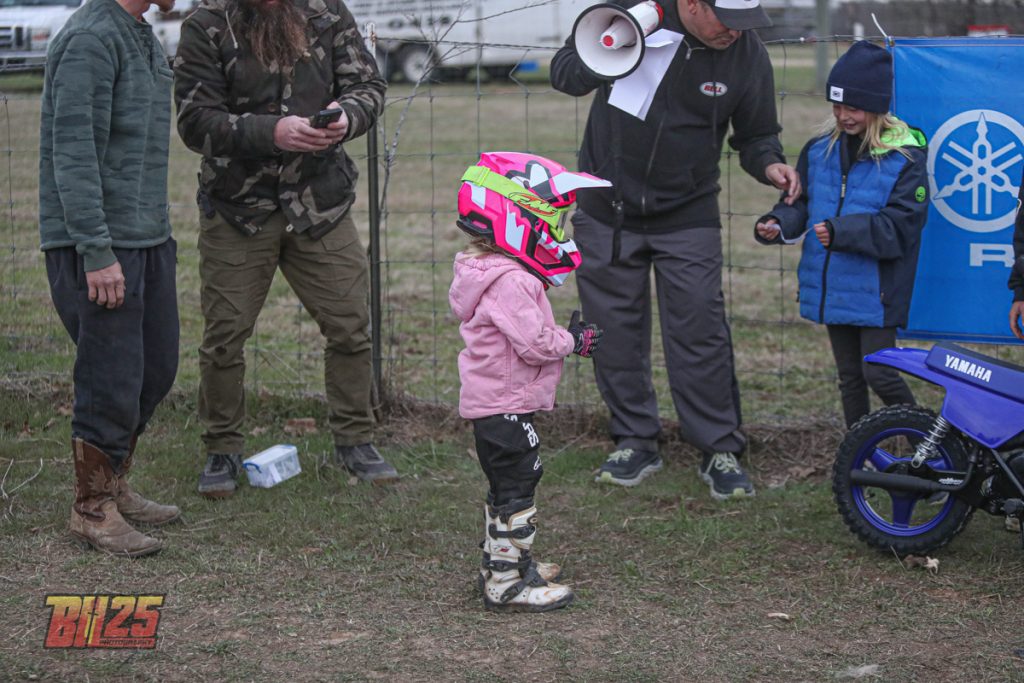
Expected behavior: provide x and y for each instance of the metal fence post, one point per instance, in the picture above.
(823, 30)
(376, 307)
(373, 201)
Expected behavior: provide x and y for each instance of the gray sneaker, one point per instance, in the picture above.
(724, 476)
(219, 478)
(366, 463)
(628, 467)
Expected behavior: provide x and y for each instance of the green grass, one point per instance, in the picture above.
(428, 137)
(322, 579)
(22, 82)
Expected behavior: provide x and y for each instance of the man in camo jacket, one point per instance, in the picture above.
(274, 191)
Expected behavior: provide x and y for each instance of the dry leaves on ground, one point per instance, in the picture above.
(298, 426)
(929, 563)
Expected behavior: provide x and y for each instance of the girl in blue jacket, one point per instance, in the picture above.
(865, 204)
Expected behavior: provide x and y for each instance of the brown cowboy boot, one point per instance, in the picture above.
(94, 516)
(133, 507)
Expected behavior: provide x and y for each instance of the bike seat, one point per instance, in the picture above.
(986, 372)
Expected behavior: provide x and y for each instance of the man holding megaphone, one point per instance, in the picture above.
(662, 212)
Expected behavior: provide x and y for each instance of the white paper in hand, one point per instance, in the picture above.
(634, 93)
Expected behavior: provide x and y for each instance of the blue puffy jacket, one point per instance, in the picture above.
(875, 207)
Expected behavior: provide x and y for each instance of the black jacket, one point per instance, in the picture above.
(667, 170)
(1017, 272)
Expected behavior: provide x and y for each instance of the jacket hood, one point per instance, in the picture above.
(473, 276)
(902, 136)
(905, 136)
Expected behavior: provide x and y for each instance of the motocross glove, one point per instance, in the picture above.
(587, 337)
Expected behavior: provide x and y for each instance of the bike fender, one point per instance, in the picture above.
(910, 361)
(987, 417)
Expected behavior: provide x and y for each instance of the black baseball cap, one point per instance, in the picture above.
(740, 15)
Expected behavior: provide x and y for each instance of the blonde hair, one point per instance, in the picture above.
(479, 246)
(874, 139)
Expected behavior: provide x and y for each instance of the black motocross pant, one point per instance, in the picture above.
(508, 449)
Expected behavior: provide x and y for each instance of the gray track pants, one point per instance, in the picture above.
(695, 335)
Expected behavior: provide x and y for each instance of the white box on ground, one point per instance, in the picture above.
(272, 466)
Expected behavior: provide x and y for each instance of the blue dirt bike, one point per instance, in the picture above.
(908, 480)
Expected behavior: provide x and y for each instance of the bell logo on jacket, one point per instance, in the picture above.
(713, 89)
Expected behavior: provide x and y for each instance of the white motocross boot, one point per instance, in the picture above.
(511, 580)
(549, 571)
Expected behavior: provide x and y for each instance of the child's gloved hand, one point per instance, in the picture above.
(586, 336)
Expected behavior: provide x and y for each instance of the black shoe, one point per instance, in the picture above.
(726, 479)
(219, 478)
(628, 467)
(366, 463)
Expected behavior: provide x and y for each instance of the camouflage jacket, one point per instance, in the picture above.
(228, 105)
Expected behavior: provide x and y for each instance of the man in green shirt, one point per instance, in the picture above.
(110, 258)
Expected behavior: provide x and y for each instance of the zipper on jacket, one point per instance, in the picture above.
(650, 165)
(828, 255)
(661, 124)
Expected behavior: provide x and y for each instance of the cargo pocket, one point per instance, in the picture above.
(224, 283)
(232, 256)
(341, 236)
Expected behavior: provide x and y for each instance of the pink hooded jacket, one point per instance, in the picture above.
(514, 350)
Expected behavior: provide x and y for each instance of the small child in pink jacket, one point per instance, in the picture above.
(513, 206)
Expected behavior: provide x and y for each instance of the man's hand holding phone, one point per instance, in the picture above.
(325, 117)
(311, 134)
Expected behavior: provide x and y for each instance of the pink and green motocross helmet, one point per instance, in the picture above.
(519, 202)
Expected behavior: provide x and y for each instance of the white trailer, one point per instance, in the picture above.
(28, 26)
(418, 37)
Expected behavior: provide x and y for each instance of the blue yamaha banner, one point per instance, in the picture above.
(964, 93)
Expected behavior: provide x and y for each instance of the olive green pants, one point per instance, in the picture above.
(329, 276)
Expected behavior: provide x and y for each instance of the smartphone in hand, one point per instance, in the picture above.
(324, 117)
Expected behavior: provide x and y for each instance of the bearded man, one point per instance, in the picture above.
(274, 191)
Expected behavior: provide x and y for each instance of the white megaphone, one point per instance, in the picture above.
(610, 40)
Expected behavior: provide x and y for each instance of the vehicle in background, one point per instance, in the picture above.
(167, 25)
(28, 26)
(432, 38)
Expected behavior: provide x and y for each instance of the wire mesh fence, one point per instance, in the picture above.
(783, 363)
(429, 133)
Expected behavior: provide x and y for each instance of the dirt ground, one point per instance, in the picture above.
(322, 579)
